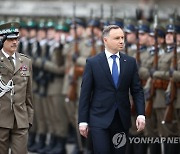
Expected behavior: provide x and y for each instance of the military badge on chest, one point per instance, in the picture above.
(24, 71)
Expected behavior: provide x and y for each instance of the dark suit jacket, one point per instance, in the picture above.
(99, 94)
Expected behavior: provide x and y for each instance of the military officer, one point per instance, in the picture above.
(16, 100)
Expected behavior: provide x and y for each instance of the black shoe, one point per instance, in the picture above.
(40, 144)
(50, 146)
(76, 150)
(31, 139)
(60, 147)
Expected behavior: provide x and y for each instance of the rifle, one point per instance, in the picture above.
(168, 116)
(93, 49)
(149, 103)
(72, 94)
(138, 60)
(126, 43)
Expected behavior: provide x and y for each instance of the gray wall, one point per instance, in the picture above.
(65, 7)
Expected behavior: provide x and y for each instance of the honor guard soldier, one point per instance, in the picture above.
(161, 78)
(130, 38)
(41, 129)
(16, 100)
(33, 51)
(173, 95)
(23, 42)
(141, 56)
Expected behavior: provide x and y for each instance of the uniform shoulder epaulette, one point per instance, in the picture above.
(25, 55)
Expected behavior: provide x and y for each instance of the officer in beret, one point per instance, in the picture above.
(16, 103)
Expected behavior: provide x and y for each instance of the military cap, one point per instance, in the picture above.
(50, 24)
(143, 27)
(79, 22)
(94, 22)
(23, 24)
(32, 24)
(170, 28)
(160, 31)
(63, 27)
(118, 22)
(152, 32)
(10, 29)
(42, 24)
(129, 28)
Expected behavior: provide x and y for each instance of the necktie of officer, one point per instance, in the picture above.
(11, 61)
(115, 74)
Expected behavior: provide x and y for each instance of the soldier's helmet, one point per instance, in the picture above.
(10, 29)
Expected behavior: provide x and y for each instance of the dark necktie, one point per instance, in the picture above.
(11, 61)
(115, 74)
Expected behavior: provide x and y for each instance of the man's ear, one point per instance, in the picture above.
(105, 39)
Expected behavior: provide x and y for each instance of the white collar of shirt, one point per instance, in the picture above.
(110, 60)
(109, 54)
(7, 56)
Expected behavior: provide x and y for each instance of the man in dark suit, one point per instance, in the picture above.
(104, 106)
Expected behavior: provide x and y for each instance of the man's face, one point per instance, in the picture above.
(51, 33)
(10, 45)
(131, 37)
(143, 38)
(41, 34)
(32, 33)
(114, 42)
(169, 38)
(151, 40)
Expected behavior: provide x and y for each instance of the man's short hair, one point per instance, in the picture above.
(107, 29)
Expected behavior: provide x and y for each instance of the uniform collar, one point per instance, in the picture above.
(7, 55)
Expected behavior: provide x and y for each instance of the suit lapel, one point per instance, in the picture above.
(18, 62)
(105, 66)
(6, 62)
(122, 62)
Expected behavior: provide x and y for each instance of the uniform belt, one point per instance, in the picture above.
(161, 84)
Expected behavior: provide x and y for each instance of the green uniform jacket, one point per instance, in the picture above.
(22, 108)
